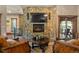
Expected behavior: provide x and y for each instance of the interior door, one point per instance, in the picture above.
(67, 27)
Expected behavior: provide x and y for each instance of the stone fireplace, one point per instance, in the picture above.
(40, 21)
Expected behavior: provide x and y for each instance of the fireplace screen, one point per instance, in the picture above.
(38, 27)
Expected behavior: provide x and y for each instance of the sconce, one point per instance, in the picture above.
(7, 21)
(49, 16)
(27, 16)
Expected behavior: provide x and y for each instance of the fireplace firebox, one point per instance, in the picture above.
(38, 27)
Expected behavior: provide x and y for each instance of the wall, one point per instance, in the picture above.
(3, 18)
(78, 19)
(14, 9)
(8, 18)
(66, 10)
(4, 11)
(21, 24)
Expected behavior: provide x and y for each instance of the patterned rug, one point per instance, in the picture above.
(36, 50)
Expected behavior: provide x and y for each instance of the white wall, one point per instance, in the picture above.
(3, 19)
(14, 9)
(78, 19)
(67, 10)
(14, 12)
(8, 17)
(2, 8)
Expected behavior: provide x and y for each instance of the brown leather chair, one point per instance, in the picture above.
(19, 47)
(3, 43)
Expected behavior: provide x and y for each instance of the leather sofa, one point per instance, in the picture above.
(14, 46)
(66, 46)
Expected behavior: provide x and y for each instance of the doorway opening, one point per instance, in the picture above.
(14, 26)
(67, 27)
